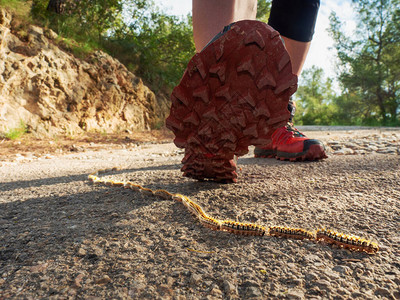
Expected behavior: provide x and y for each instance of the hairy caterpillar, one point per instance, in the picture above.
(242, 228)
(350, 242)
(291, 233)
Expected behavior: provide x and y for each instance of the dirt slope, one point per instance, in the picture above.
(52, 92)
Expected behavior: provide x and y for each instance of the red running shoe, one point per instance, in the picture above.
(233, 94)
(290, 144)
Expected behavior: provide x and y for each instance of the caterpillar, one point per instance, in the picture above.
(292, 233)
(328, 236)
(242, 228)
(351, 242)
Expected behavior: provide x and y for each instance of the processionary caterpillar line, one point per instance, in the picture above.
(332, 237)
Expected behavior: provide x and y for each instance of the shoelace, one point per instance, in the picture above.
(293, 129)
(284, 133)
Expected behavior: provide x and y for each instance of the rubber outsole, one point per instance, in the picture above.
(316, 152)
(233, 94)
(313, 150)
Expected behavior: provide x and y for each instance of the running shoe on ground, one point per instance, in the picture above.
(288, 143)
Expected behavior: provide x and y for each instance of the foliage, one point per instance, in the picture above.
(369, 63)
(15, 133)
(263, 10)
(21, 11)
(154, 45)
(315, 99)
(163, 45)
(19, 8)
(85, 22)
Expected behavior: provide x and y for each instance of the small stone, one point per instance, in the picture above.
(383, 293)
(103, 280)
(351, 145)
(387, 150)
(311, 258)
(344, 151)
(335, 146)
(78, 281)
(165, 290)
(19, 157)
(311, 276)
(180, 297)
(330, 274)
(295, 294)
(355, 295)
(366, 283)
(137, 248)
(249, 283)
(136, 288)
(170, 281)
(98, 251)
(360, 152)
(216, 292)
(253, 292)
(342, 291)
(296, 282)
(323, 284)
(176, 272)
(341, 269)
(39, 268)
(81, 252)
(195, 279)
(208, 282)
(146, 241)
(229, 287)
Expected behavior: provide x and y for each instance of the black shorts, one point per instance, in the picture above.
(294, 19)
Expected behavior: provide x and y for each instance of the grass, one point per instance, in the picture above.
(20, 9)
(79, 49)
(16, 133)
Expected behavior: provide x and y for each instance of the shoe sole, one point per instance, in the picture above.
(233, 94)
(314, 152)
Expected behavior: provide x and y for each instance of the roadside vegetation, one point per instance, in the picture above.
(368, 71)
(15, 133)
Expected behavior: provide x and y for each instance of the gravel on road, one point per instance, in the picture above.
(62, 237)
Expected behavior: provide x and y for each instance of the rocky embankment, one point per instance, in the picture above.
(53, 92)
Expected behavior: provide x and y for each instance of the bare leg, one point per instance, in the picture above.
(210, 17)
(297, 52)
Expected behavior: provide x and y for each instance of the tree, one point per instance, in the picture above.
(263, 10)
(154, 45)
(57, 6)
(163, 45)
(369, 61)
(315, 99)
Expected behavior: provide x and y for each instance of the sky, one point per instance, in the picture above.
(320, 53)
